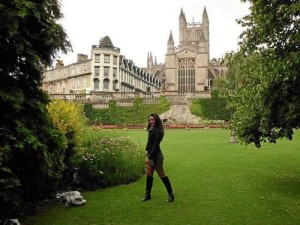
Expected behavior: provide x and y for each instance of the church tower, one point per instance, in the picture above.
(187, 66)
(150, 63)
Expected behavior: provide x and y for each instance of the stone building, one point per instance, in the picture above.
(187, 67)
(106, 71)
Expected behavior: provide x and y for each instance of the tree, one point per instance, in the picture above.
(267, 103)
(31, 148)
(235, 62)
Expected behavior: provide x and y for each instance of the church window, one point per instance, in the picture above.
(188, 35)
(186, 75)
(197, 35)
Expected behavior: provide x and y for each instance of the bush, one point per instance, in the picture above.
(116, 115)
(211, 108)
(108, 161)
(68, 117)
(31, 151)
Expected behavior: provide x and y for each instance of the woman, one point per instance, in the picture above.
(155, 158)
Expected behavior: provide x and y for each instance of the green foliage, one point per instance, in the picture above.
(69, 119)
(108, 161)
(31, 148)
(117, 115)
(225, 86)
(211, 108)
(31, 151)
(137, 103)
(164, 103)
(267, 103)
(112, 104)
(196, 108)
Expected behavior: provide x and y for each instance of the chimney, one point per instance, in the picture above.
(81, 57)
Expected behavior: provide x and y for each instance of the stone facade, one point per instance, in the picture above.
(106, 71)
(187, 67)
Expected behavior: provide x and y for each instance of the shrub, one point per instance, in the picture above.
(69, 119)
(31, 151)
(211, 108)
(108, 161)
(196, 108)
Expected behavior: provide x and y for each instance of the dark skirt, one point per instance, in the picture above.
(158, 160)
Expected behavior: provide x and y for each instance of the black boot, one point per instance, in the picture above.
(149, 183)
(168, 186)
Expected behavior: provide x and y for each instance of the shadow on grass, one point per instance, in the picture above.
(285, 185)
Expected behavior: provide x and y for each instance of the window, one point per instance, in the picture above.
(186, 75)
(96, 84)
(97, 58)
(106, 84)
(78, 82)
(198, 35)
(73, 83)
(84, 67)
(97, 71)
(115, 83)
(58, 87)
(63, 86)
(73, 70)
(188, 35)
(115, 60)
(106, 71)
(84, 82)
(106, 58)
(114, 72)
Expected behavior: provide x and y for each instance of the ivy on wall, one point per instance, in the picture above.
(117, 115)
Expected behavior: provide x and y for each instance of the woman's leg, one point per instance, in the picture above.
(161, 173)
(149, 179)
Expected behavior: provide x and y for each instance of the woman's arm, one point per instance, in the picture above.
(158, 134)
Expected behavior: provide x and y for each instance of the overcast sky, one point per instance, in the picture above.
(141, 26)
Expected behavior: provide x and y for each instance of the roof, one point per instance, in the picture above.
(106, 43)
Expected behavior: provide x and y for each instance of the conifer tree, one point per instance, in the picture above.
(31, 148)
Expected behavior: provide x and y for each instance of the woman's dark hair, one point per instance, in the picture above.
(158, 122)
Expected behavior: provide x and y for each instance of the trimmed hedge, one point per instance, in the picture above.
(211, 108)
(117, 115)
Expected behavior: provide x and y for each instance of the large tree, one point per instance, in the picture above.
(31, 148)
(268, 100)
(235, 62)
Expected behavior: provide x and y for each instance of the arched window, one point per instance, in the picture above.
(115, 85)
(96, 84)
(106, 84)
(186, 75)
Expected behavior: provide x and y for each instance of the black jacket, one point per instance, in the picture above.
(155, 136)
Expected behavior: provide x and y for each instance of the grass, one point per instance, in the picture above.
(214, 182)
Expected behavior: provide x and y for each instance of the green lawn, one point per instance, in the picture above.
(214, 182)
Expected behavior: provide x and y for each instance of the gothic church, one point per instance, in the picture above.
(187, 66)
